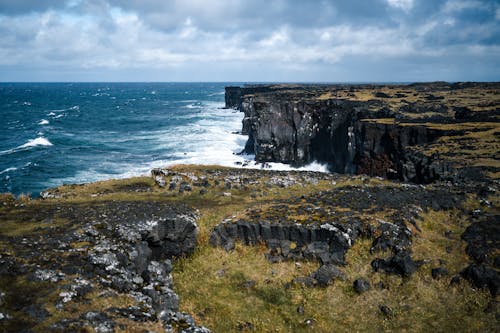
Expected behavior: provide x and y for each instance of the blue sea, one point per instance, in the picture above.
(59, 133)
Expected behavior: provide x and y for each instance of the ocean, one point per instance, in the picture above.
(60, 133)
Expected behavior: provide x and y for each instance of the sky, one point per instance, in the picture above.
(250, 40)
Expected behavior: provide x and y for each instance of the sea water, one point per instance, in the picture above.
(59, 133)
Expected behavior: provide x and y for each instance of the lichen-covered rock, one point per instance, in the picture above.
(361, 285)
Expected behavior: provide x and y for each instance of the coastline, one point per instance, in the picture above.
(191, 243)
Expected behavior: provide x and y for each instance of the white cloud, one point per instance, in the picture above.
(94, 35)
(405, 5)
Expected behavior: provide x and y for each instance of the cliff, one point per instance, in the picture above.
(366, 129)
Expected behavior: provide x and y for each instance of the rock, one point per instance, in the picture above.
(160, 181)
(483, 239)
(185, 187)
(47, 275)
(163, 298)
(401, 264)
(37, 312)
(326, 243)
(286, 125)
(134, 313)
(99, 321)
(455, 280)
(439, 272)
(248, 284)
(306, 281)
(182, 322)
(361, 285)
(246, 326)
(326, 274)
(381, 95)
(483, 276)
(386, 310)
(392, 236)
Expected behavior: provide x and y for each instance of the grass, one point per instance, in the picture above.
(242, 291)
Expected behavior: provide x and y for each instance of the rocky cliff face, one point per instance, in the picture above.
(351, 135)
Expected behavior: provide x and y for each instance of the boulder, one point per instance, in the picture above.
(400, 264)
(326, 274)
(483, 276)
(361, 285)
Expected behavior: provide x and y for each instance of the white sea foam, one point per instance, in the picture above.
(8, 170)
(212, 141)
(43, 122)
(193, 106)
(40, 141)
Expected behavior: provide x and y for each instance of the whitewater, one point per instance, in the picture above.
(59, 133)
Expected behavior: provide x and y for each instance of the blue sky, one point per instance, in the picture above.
(243, 40)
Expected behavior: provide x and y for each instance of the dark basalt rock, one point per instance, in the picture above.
(439, 272)
(483, 244)
(483, 276)
(401, 264)
(326, 274)
(291, 124)
(326, 242)
(483, 239)
(361, 285)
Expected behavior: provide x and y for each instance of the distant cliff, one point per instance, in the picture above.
(354, 129)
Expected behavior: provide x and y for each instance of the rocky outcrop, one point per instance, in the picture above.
(134, 244)
(297, 132)
(233, 97)
(298, 126)
(327, 242)
(122, 247)
(483, 245)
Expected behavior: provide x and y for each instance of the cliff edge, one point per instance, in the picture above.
(418, 133)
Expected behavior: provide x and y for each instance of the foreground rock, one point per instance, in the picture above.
(123, 249)
(483, 238)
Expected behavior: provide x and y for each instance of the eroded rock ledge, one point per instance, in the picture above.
(328, 242)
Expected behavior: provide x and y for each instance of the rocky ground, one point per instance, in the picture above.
(206, 248)
(98, 257)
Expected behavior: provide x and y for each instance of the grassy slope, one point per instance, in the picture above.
(214, 285)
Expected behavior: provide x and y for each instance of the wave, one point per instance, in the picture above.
(73, 108)
(40, 141)
(8, 170)
(193, 106)
(43, 122)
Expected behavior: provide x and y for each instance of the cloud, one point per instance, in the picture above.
(237, 39)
